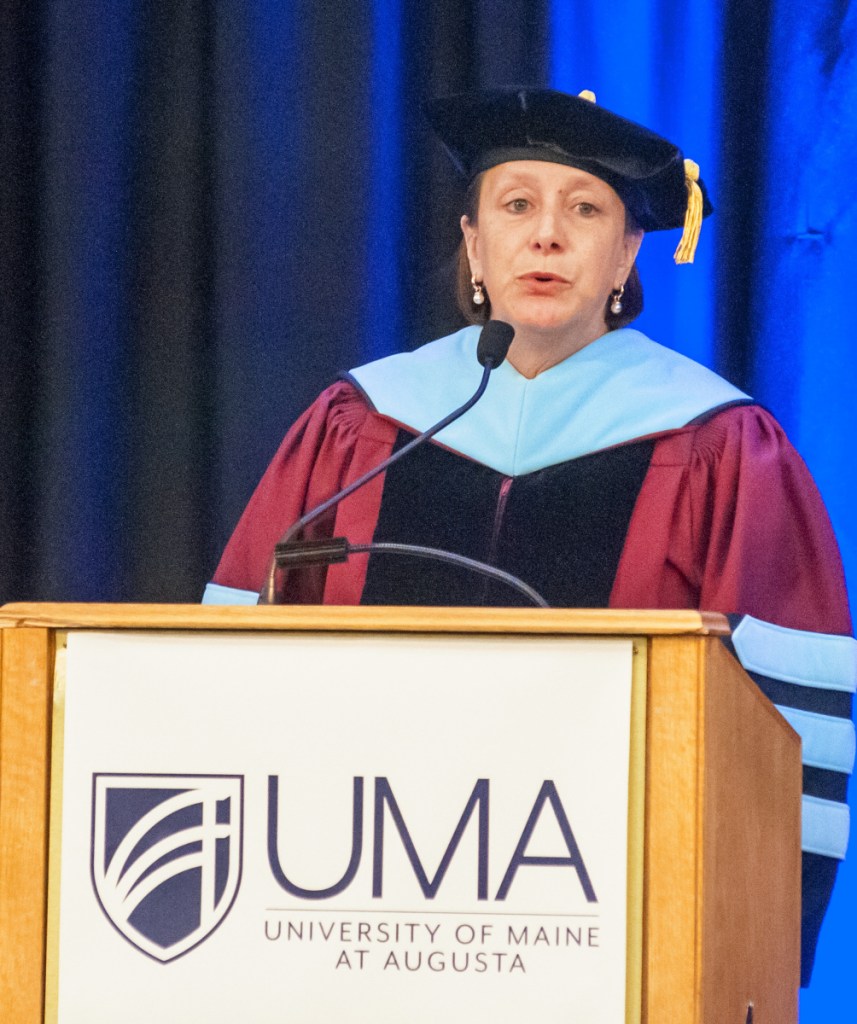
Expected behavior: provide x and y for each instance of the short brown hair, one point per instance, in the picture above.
(632, 298)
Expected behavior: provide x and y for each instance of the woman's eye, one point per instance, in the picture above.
(586, 209)
(518, 205)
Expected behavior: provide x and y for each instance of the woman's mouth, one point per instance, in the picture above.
(539, 279)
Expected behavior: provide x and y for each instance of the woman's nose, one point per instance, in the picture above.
(548, 232)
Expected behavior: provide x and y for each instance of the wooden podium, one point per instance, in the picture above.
(721, 870)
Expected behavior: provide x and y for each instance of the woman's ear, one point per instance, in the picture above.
(471, 234)
(631, 246)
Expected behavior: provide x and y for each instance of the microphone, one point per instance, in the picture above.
(493, 345)
(491, 350)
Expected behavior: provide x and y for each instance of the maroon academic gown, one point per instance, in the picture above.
(728, 518)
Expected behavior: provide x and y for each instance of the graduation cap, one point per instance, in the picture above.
(649, 174)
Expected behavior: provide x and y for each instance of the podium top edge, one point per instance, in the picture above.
(330, 618)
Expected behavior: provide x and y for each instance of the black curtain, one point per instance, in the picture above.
(201, 224)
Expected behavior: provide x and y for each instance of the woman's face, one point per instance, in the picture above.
(550, 245)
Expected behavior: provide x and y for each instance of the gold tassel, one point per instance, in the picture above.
(587, 94)
(693, 215)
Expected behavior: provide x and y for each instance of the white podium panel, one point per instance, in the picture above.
(342, 827)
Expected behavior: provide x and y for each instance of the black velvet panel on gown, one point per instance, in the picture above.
(560, 529)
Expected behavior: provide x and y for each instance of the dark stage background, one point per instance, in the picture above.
(208, 210)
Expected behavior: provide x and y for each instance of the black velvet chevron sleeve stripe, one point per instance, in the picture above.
(810, 678)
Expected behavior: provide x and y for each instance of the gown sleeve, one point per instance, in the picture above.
(762, 541)
(766, 553)
(310, 466)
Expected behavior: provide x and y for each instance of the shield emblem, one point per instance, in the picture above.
(166, 856)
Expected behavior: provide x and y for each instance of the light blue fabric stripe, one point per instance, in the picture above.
(828, 742)
(795, 656)
(824, 827)
(216, 594)
(620, 387)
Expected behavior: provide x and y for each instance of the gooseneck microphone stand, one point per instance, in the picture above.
(494, 342)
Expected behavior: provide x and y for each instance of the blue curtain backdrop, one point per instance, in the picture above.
(208, 210)
(802, 356)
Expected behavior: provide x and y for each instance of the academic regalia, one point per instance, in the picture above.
(628, 477)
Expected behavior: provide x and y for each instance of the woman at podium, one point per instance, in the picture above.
(600, 467)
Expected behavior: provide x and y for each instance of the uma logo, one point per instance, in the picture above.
(166, 856)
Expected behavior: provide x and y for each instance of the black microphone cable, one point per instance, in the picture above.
(494, 342)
